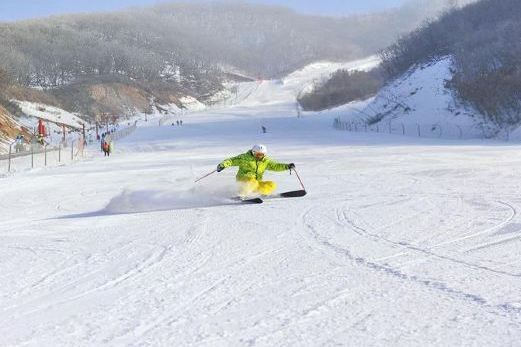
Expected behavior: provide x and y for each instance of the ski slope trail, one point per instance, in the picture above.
(399, 241)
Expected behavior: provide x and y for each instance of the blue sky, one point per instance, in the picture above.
(20, 9)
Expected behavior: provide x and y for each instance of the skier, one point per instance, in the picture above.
(19, 143)
(106, 148)
(252, 165)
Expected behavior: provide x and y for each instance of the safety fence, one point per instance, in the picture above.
(36, 156)
(31, 156)
(437, 130)
(120, 134)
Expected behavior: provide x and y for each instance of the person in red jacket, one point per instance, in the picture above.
(106, 148)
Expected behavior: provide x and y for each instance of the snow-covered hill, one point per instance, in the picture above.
(421, 101)
(400, 241)
(51, 114)
(286, 90)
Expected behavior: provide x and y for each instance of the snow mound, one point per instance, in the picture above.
(51, 114)
(169, 108)
(420, 102)
(192, 104)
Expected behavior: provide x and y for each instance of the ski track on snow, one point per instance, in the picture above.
(435, 285)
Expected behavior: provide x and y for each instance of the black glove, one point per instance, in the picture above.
(220, 167)
(291, 166)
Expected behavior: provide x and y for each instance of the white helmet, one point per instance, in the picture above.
(259, 149)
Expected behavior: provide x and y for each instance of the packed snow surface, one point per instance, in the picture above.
(400, 241)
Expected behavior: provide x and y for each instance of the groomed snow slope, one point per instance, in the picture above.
(400, 241)
(286, 90)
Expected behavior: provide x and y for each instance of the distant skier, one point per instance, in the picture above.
(252, 165)
(106, 148)
(19, 147)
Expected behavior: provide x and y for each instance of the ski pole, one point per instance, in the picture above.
(296, 173)
(211, 173)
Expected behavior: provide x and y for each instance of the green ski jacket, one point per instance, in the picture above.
(252, 168)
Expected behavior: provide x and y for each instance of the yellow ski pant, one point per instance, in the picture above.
(252, 186)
